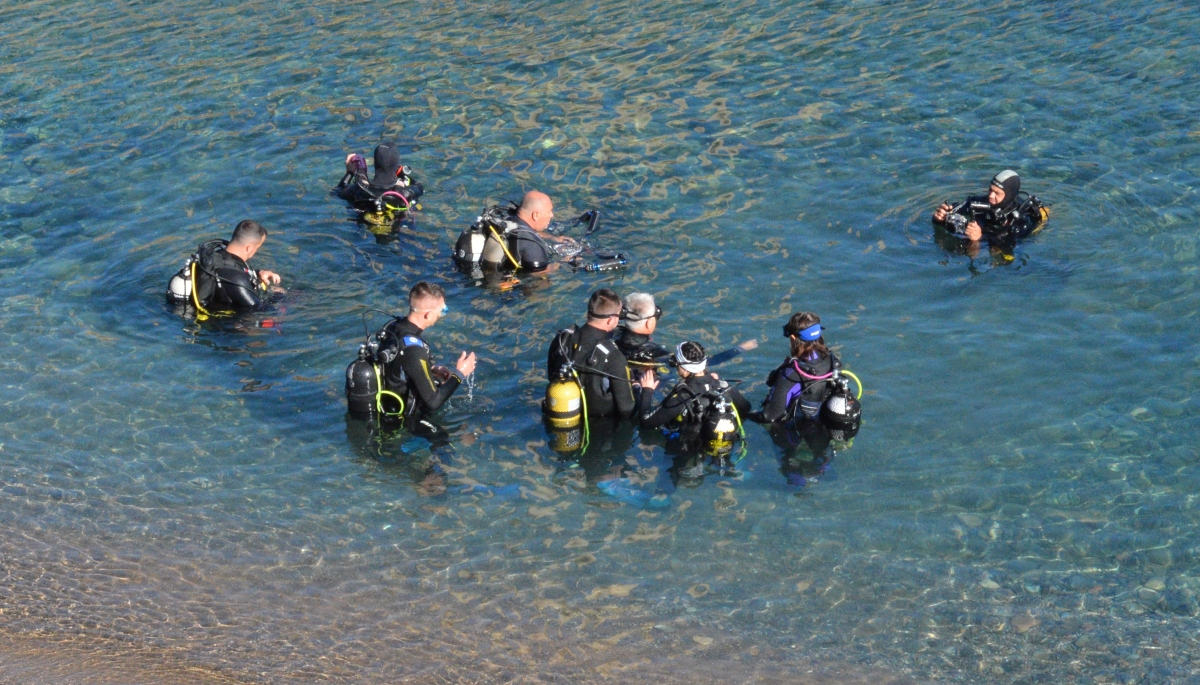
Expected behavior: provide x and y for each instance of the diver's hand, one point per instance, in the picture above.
(749, 344)
(939, 214)
(466, 363)
(269, 277)
(973, 232)
(354, 162)
(648, 380)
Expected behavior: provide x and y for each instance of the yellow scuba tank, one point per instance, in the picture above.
(564, 403)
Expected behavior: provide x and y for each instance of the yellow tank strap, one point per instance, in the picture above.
(504, 246)
(587, 429)
(201, 312)
(381, 392)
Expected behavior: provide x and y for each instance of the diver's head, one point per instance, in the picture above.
(387, 166)
(426, 304)
(604, 309)
(803, 331)
(1004, 188)
(690, 359)
(641, 315)
(248, 236)
(536, 210)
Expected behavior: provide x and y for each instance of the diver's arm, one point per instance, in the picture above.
(722, 357)
(416, 367)
(670, 409)
(236, 284)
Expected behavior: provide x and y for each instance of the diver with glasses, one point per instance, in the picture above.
(411, 374)
(634, 336)
(586, 357)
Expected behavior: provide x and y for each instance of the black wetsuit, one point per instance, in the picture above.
(1002, 225)
(609, 392)
(408, 374)
(531, 251)
(686, 403)
(791, 395)
(224, 280)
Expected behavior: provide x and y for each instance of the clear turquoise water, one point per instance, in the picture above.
(1018, 507)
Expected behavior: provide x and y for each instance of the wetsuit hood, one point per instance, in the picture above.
(387, 163)
(1011, 183)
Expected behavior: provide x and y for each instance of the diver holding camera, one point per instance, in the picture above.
(1004, 216)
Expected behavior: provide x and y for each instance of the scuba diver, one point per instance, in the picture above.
(589, 377)
(809, 385)
(394, 378)
(386, 198)
(217, 276)
(516, 238)
(1004, 216)
(640, 318)
(701, 407)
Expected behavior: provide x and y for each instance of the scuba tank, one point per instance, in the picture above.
(362, 385)
(195, 281)
(365, 395)
(563, 409)
(495, 222)
(720, 428)
(179, 289)
(841, 411)
(387, 208)
(564, 403)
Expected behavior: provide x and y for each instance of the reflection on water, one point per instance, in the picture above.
(1018, 505)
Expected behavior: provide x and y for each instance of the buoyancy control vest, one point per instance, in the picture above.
(812, 386)
(212, 277)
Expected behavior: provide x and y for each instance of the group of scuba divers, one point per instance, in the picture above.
(602, 372)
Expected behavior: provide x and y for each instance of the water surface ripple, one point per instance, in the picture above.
(187, 502)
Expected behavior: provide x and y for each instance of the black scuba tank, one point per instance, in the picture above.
(719, 429)
(362, 387)
(842, 410)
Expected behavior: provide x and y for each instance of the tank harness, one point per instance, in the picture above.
(365, 391)
(712, 411)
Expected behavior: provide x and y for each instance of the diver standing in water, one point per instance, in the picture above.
(1004, 216)
(388, 195)
(697, 400)
(394, 376)
(515, 238)
(412, 370)
(808, 385)
(217, 276)
(584, 356)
